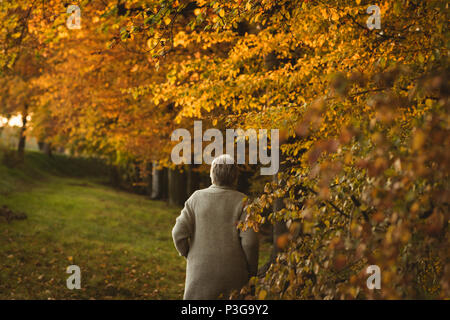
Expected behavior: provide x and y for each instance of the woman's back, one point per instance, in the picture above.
(217, 211)
(206, 233)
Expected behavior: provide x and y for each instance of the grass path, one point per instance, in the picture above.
(121, 242)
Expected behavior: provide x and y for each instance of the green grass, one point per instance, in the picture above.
(121, 241)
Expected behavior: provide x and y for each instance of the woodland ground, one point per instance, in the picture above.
(121, 241)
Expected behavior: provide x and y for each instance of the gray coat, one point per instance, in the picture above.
(220, 257)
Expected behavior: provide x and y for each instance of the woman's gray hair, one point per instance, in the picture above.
(224, 171)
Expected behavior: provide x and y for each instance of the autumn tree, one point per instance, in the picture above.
(20, 64)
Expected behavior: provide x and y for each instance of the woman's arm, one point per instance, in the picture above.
(183, 229)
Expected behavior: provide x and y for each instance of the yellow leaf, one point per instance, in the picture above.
(421, 58)
(222, 13)
(262, 295)
(334, 16)
(418, 140)
(150, 43)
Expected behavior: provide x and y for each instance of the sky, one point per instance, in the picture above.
(13, 121)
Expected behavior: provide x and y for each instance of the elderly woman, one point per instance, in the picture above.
(220, 257)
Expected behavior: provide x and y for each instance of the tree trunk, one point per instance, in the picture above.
(278, 229)
(177, 187)
(243, 184)
(41, 146)
(192, 180)
(22, 138)
(157, 182)
(148, 178)
(115, 176)
(48, 149)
